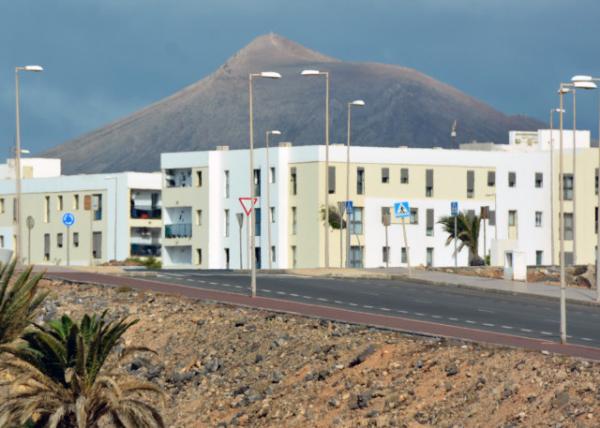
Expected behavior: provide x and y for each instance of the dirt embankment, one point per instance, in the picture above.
(223, 366)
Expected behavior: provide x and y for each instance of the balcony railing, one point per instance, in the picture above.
(150, 214)
(179, 230)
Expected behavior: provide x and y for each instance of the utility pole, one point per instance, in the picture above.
(240, 220)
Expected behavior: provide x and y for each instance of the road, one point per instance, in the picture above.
(510, 314)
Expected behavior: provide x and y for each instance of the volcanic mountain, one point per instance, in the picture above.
(403, 108)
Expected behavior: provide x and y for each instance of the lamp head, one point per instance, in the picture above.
(269, 75)
(34, 68)
(581, 78)
(275, 132)
(585, 84)
(310, 73)
(358, 103)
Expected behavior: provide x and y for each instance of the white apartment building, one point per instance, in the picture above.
(122, 220)
(201, 191)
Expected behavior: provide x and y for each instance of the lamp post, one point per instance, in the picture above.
(554, 110)
(269, 219)
(35, 69)
(326, 225)
(356, 103)
(579, 79)
(251, 225)
(116, 180)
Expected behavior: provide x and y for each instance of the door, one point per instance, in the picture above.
(97, 245)
(356, 256)
(46, 246)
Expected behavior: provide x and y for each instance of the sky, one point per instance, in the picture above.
(105, 59)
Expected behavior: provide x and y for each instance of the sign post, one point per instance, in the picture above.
(240, 220)
(454, 213)
(349, 212)
(248, 206)
(30, 222)
(341, 209)
(68, 220)
(402, 210)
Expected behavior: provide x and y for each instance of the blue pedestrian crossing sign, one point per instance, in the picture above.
(68, 219)
(454, 208)
(349, 207)
(402, 209)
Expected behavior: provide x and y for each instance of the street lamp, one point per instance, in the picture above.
(251, 225)
(269, 179)
(18, 152)
(554, 110)
(582, 79)
(316, 73)
(355, 103)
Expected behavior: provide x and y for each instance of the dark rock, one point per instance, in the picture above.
(154, 371)
(334, 402)
(258, 358)
(177, 378)
(451, 369)
(276, 377)
(240, 323)
(419, 364)
(213, 366)
(360, 358)
(241, 390)
(561, 399)
(361, 401)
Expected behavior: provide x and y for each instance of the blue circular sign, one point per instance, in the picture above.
(68, 219)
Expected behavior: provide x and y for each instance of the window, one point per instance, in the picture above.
(331, 179)
(227, 258)
(403, 256)
(539, 180)
(46, 209)
(1, 205)
(198, 178)
(293, 181)
(272, 214)
(198, 217)
(360, 180)
(1, 241)
(414, 215)
(178, 178)
(429, 256)
(76, 239)
(97, 206)
(470, 214)
(257, 221)
(429, 225)
(272, 175)
(386, 216)
(59, 205)
(492, 218)
(596, 182)
(385, 175)
(568, 258)
(356, 221)
(294, 220)
(46, 246)
(385, 252)
(273, 254)
(538, 219)
(226, 223)
(97, 245)
(226, 178)
(470, 184)
(59, 240)
(512, 179)
(568, 187)
(404, 175)
(512, 218)
(14, 210)
(199, 256)
(294, 254)
(595, 219)
(429, 183)
(568, 226)
(356, 256)
(75, 202)
(257, 182)
(491, 178)
(539, 257)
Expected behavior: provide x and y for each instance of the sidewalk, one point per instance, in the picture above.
(576, 295)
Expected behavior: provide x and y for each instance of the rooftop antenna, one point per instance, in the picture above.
(453, 133)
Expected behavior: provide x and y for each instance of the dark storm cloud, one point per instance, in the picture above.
(106, 59)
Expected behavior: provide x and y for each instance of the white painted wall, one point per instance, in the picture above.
(40, 167)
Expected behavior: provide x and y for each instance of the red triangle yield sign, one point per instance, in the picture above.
(248, 204)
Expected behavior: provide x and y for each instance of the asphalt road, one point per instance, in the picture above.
(509, 314)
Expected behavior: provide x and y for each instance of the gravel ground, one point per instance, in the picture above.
(223, 366)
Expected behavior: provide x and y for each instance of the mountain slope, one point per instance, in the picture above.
(404, 107)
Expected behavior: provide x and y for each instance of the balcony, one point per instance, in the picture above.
(146, 213)
(179, 230)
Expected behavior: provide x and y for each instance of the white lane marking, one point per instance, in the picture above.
(436, 317)
(419, 314)
(213, 283)
(470, 322)
(526, 330)
(400, 311)
(385, 309)
(283, 293)
(487, 324)
(237, 286)
(507, 327)
(587, 339)
(322, 299)
(294, 295)
(178, 275)
(367, 306)
(353, 304)
(485, 310)
(266, 289)
(307, 297)
(226, 285)
(202, 282)
(189, 279)
(546, 333)
(339, 302)
(453, 319)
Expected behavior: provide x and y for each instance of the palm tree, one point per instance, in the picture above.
(19, 302)
(61, 380)
(467, 227)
